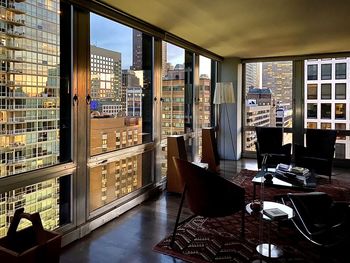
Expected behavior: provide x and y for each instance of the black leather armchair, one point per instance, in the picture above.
(269, 141)
(319, 151)
(319, 219)
(208, 194)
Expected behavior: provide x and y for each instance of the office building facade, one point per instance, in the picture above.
(29, 105)
(327, 99)
(106, 80)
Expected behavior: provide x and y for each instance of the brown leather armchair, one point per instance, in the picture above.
(207, 194)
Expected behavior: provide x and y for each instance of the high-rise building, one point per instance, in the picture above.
(137, 50)
(131, 83)
(259, 112)
(106, 80)
(252, 75)
(164, 58)
(278, 77)
(327, 103)
(29, 104)
(115, 179)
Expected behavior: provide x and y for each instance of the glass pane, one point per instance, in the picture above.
(173, 91)
(340, 111)
(312, 91)
(340, 126)
(113, 180)
(121, 87)
(204, 98)
(51, 198)
(173, 95)
(312, 72)
(326, 92)
(29, 86)
(268, 98)
(326, 111)
(340, 91)
(326, 125)
(326, 71)
(312, 110)
(340, 151)
(340, 71)
(312, 125)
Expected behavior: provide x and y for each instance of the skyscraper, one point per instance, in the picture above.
(137, 49)
(252, 75)
(29, 105)
(278, 77)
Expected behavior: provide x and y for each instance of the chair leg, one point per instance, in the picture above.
(178, 216)
(242, 222)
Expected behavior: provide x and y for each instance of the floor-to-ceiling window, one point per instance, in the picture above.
(267, 99)
(35, 115)
(120, 106)
(202, 102)
(173, 96)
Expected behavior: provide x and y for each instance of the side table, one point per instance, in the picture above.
(268, 249)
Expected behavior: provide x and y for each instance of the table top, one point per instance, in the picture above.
(268, 205)
(309, 182)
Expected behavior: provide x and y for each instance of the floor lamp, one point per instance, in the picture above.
(224, 95)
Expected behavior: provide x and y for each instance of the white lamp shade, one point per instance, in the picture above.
(224, 93)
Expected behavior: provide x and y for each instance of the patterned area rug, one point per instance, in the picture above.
(218, 240)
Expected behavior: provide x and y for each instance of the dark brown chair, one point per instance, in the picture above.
(319, 219)
(319, 151)
(207, 194)
(269, 141)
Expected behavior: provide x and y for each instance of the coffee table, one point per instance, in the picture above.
(279, 181)
(268, 249)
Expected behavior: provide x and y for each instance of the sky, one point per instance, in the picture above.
(111, 35)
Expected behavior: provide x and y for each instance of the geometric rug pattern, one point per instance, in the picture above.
(218, 239)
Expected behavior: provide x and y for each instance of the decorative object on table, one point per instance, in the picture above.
(224, 95)
(207, 194)
(275, 213)
(268, 177)
(318, 154)
(256, 205)
(295, 175)
(270, 141)
(33, 244)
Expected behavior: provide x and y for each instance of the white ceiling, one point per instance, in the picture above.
(250, 28)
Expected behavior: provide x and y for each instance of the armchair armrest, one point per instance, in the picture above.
(257, 147)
